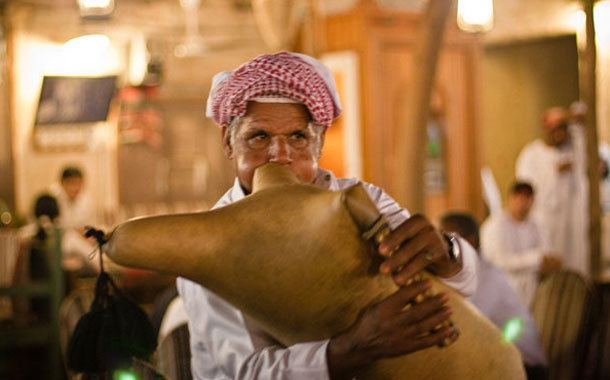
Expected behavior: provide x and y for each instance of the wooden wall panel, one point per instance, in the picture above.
(383, 39)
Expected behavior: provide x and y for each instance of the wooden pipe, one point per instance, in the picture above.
(292, 258)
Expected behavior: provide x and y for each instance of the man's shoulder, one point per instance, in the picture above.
(376, 193)
(533, 146)
(493, 220)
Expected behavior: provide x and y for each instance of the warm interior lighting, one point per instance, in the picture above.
(475, 16)
(85, 54)
(89, 44)
(94, 3)
(577, 19)
(602, 21)
(95, 8)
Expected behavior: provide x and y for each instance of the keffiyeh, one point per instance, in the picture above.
(288, 75)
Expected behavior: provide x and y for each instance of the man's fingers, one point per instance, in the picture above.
(409, 248)
(424, 258)
(405, 231)
(442, 337)
(431, 323)
(405, 295)
(421, 312)
(432, 331)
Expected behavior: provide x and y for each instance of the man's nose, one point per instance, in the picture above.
(279, 150)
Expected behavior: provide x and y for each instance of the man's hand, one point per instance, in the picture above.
(564, 166)
(413, 246)
(387, 330)
(550, 264)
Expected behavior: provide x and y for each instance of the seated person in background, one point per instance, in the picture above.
(512, 241)
(76, 212)
(46, 212)
(74, 247)
(74, 204)
(498, 301)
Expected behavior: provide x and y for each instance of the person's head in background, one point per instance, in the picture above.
(520, 200)
(555, 126)
(46, 211)
(462, 223)
(72, 181)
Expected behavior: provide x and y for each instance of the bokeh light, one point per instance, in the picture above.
(512, 329)
(123, 374)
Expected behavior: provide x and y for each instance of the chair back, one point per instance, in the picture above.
(174, 354)
(598, 364)
(562, 311)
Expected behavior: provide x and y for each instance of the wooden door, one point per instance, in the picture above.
(384, 42)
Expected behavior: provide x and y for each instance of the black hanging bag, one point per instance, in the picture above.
(114, 331)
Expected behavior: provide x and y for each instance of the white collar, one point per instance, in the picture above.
(324, 179)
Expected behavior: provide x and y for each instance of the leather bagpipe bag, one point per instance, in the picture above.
(291, 257)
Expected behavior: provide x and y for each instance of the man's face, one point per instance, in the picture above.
(558, 135)
(72, 186)
(274, 132)
(519, 205)
(555, 125)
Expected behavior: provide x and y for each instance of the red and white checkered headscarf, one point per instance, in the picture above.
(293, 76)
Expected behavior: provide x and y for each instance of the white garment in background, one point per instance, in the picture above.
(491, 194)
(74, 216)
(516, 248)
(604, 183)
(497, 300)
(76, 213)
(560, 205)
(604, 195)
(174, 317)
(225, 345)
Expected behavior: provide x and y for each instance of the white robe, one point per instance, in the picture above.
(73, 213)
(516, 248)
(74, 216)
(227, 345)
(560, 205)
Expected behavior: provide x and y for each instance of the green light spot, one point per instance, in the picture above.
(512, 329)
(122, 374)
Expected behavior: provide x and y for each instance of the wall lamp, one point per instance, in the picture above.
(95, 9)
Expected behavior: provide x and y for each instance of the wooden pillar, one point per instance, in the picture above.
(590, 98)
(409, 146)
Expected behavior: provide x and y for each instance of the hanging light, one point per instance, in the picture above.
(475, 16)
(95, 8)
(602, 20)
(85, 55)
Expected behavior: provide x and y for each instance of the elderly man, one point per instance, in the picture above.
(555, 166)
(276, 108)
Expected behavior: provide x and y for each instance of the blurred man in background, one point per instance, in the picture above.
(555, 166)
(75, 213)
(497, 300)
(513, 242)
